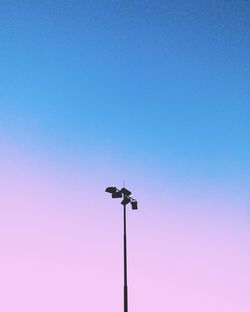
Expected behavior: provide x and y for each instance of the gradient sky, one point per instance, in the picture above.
(153, 92)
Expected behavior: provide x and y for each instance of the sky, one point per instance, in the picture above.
(152, 93)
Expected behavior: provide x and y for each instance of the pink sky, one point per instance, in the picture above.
(61, 245)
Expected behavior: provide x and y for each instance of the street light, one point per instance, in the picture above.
(126, 200)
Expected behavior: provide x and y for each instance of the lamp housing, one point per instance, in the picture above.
(125, 191)
(111, 189)
(134, 205)
(117, 194)
(125, 201)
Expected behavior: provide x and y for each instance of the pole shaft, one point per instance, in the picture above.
(125, 260)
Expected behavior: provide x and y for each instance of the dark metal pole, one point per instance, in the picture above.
(125, 260)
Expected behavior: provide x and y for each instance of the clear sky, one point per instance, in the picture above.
(153, 92)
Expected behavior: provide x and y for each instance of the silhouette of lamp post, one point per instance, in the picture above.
(125, 194)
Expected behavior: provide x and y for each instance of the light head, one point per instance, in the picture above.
(125, 201)
(134, 205)
(111, 189)
(125, 191)
(117, 194)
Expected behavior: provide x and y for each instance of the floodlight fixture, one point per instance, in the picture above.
(125, 201)
(134, 205)
(125, 191)
(111, 189)
(117, 194)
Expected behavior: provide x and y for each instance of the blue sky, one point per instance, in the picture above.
(163, 85)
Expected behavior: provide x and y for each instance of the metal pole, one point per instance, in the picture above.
(125, 260)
